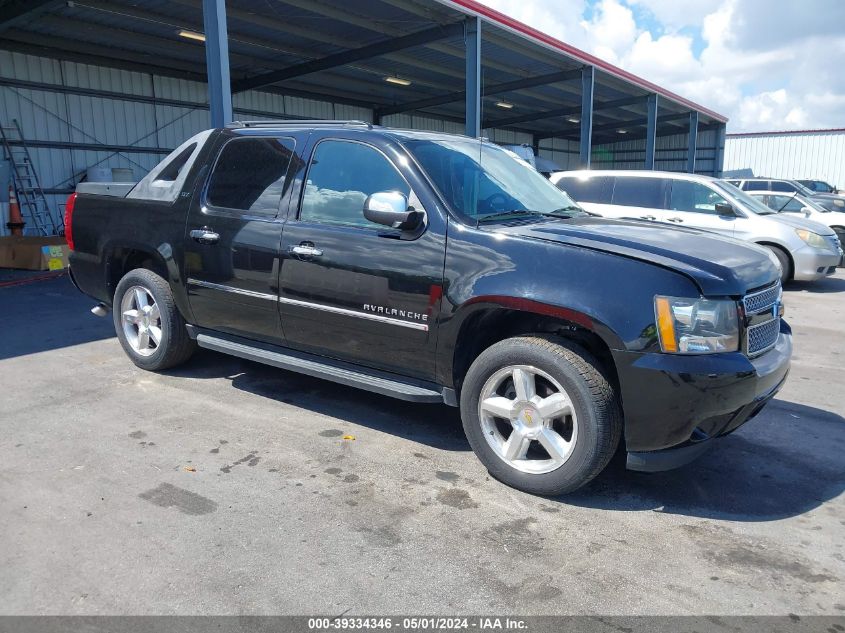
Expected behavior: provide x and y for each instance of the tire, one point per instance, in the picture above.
(590, 430)
(785, 264)
(138, 326)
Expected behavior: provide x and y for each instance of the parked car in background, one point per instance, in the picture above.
(808, 207)
(771, 184)
(830, 201)
(819, 186)
(806, 250)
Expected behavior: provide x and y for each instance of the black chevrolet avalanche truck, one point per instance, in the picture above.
(439, 269)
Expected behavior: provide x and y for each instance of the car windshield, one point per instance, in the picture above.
(748, 202)
(482, 182)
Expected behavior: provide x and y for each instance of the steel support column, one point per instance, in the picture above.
(693, 141)
(217, 61)
(719, 156)
(588, 75)
(473, 76)
(651, 131)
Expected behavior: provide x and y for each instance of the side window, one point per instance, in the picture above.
(172, 170)
(592, 189)
(693, 197)
(250, 174)
(778, 185)
(640, 192)
(341, 177)
(756, 185)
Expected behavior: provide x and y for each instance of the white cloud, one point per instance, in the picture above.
(764, 67)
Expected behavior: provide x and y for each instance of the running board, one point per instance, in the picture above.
(326, 369)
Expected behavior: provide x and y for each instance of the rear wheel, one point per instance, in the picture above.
(150, 328)
(539, 414)
(785, 264)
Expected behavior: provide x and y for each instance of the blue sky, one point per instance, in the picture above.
(766, 64)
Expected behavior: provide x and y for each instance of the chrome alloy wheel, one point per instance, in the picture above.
(141, 320)
(528, 419)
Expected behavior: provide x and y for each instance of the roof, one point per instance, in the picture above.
(341, 51)
(638, 173)
(832, 130)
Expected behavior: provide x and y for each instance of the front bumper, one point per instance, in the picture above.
(674, 405)
(812, 263)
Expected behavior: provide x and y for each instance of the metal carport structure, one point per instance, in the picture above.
(402, 62)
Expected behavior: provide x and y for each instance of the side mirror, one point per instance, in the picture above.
(391, 209)
(723, 208)
(807, 211)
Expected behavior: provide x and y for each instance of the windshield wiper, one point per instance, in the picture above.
(505, 214)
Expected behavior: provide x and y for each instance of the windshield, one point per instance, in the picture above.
(484, 183)
(748, 202)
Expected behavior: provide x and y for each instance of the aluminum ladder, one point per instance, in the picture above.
(31, 198)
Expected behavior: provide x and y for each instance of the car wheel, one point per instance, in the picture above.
(540, 414)
(148, 324)
(785, 265)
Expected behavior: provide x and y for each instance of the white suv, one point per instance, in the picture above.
(805, 249)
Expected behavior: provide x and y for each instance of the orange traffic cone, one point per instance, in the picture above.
(15, 222)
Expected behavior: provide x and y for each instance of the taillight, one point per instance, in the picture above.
(71, 201)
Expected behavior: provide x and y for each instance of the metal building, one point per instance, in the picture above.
(800, 154)
(117, 84)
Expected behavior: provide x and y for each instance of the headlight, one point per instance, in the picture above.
(697, 326)
(813, 239)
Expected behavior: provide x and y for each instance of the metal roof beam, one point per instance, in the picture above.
(343, 58)
(622, 124)
(510, 86)
(18, 12)
(573, 109)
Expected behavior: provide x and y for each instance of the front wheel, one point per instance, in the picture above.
(785, 264)
(539, 414)
(150, 328)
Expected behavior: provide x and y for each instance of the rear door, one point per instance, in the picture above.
(232, 237)
(350, 289)
(693, 204)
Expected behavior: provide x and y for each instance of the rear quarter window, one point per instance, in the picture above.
(250, 174)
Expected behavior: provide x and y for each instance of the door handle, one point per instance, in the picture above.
(204, 236)
(647, 217)
(306, 249)
(675, 219)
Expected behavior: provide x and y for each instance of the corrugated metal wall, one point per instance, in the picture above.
(818, 155)
(67, 119)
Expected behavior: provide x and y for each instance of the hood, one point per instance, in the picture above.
(718, 265)
(801, 222)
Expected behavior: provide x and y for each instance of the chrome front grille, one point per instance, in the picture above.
(762, 313)
(762, 337)
(763, 300)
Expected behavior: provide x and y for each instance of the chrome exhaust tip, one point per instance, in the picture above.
(100, 310)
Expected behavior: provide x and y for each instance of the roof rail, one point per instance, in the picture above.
(291, 122)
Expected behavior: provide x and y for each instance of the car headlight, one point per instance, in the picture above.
(697, 326)
(813, 239)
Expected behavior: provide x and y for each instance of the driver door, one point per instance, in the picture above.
(351, 289)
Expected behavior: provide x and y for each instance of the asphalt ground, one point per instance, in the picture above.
(227, 487)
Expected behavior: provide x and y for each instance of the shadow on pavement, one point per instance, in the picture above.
(783, 463)
(434, 425)
(45, 315)
(822, 286)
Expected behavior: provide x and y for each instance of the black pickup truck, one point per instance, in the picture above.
(441, 269)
